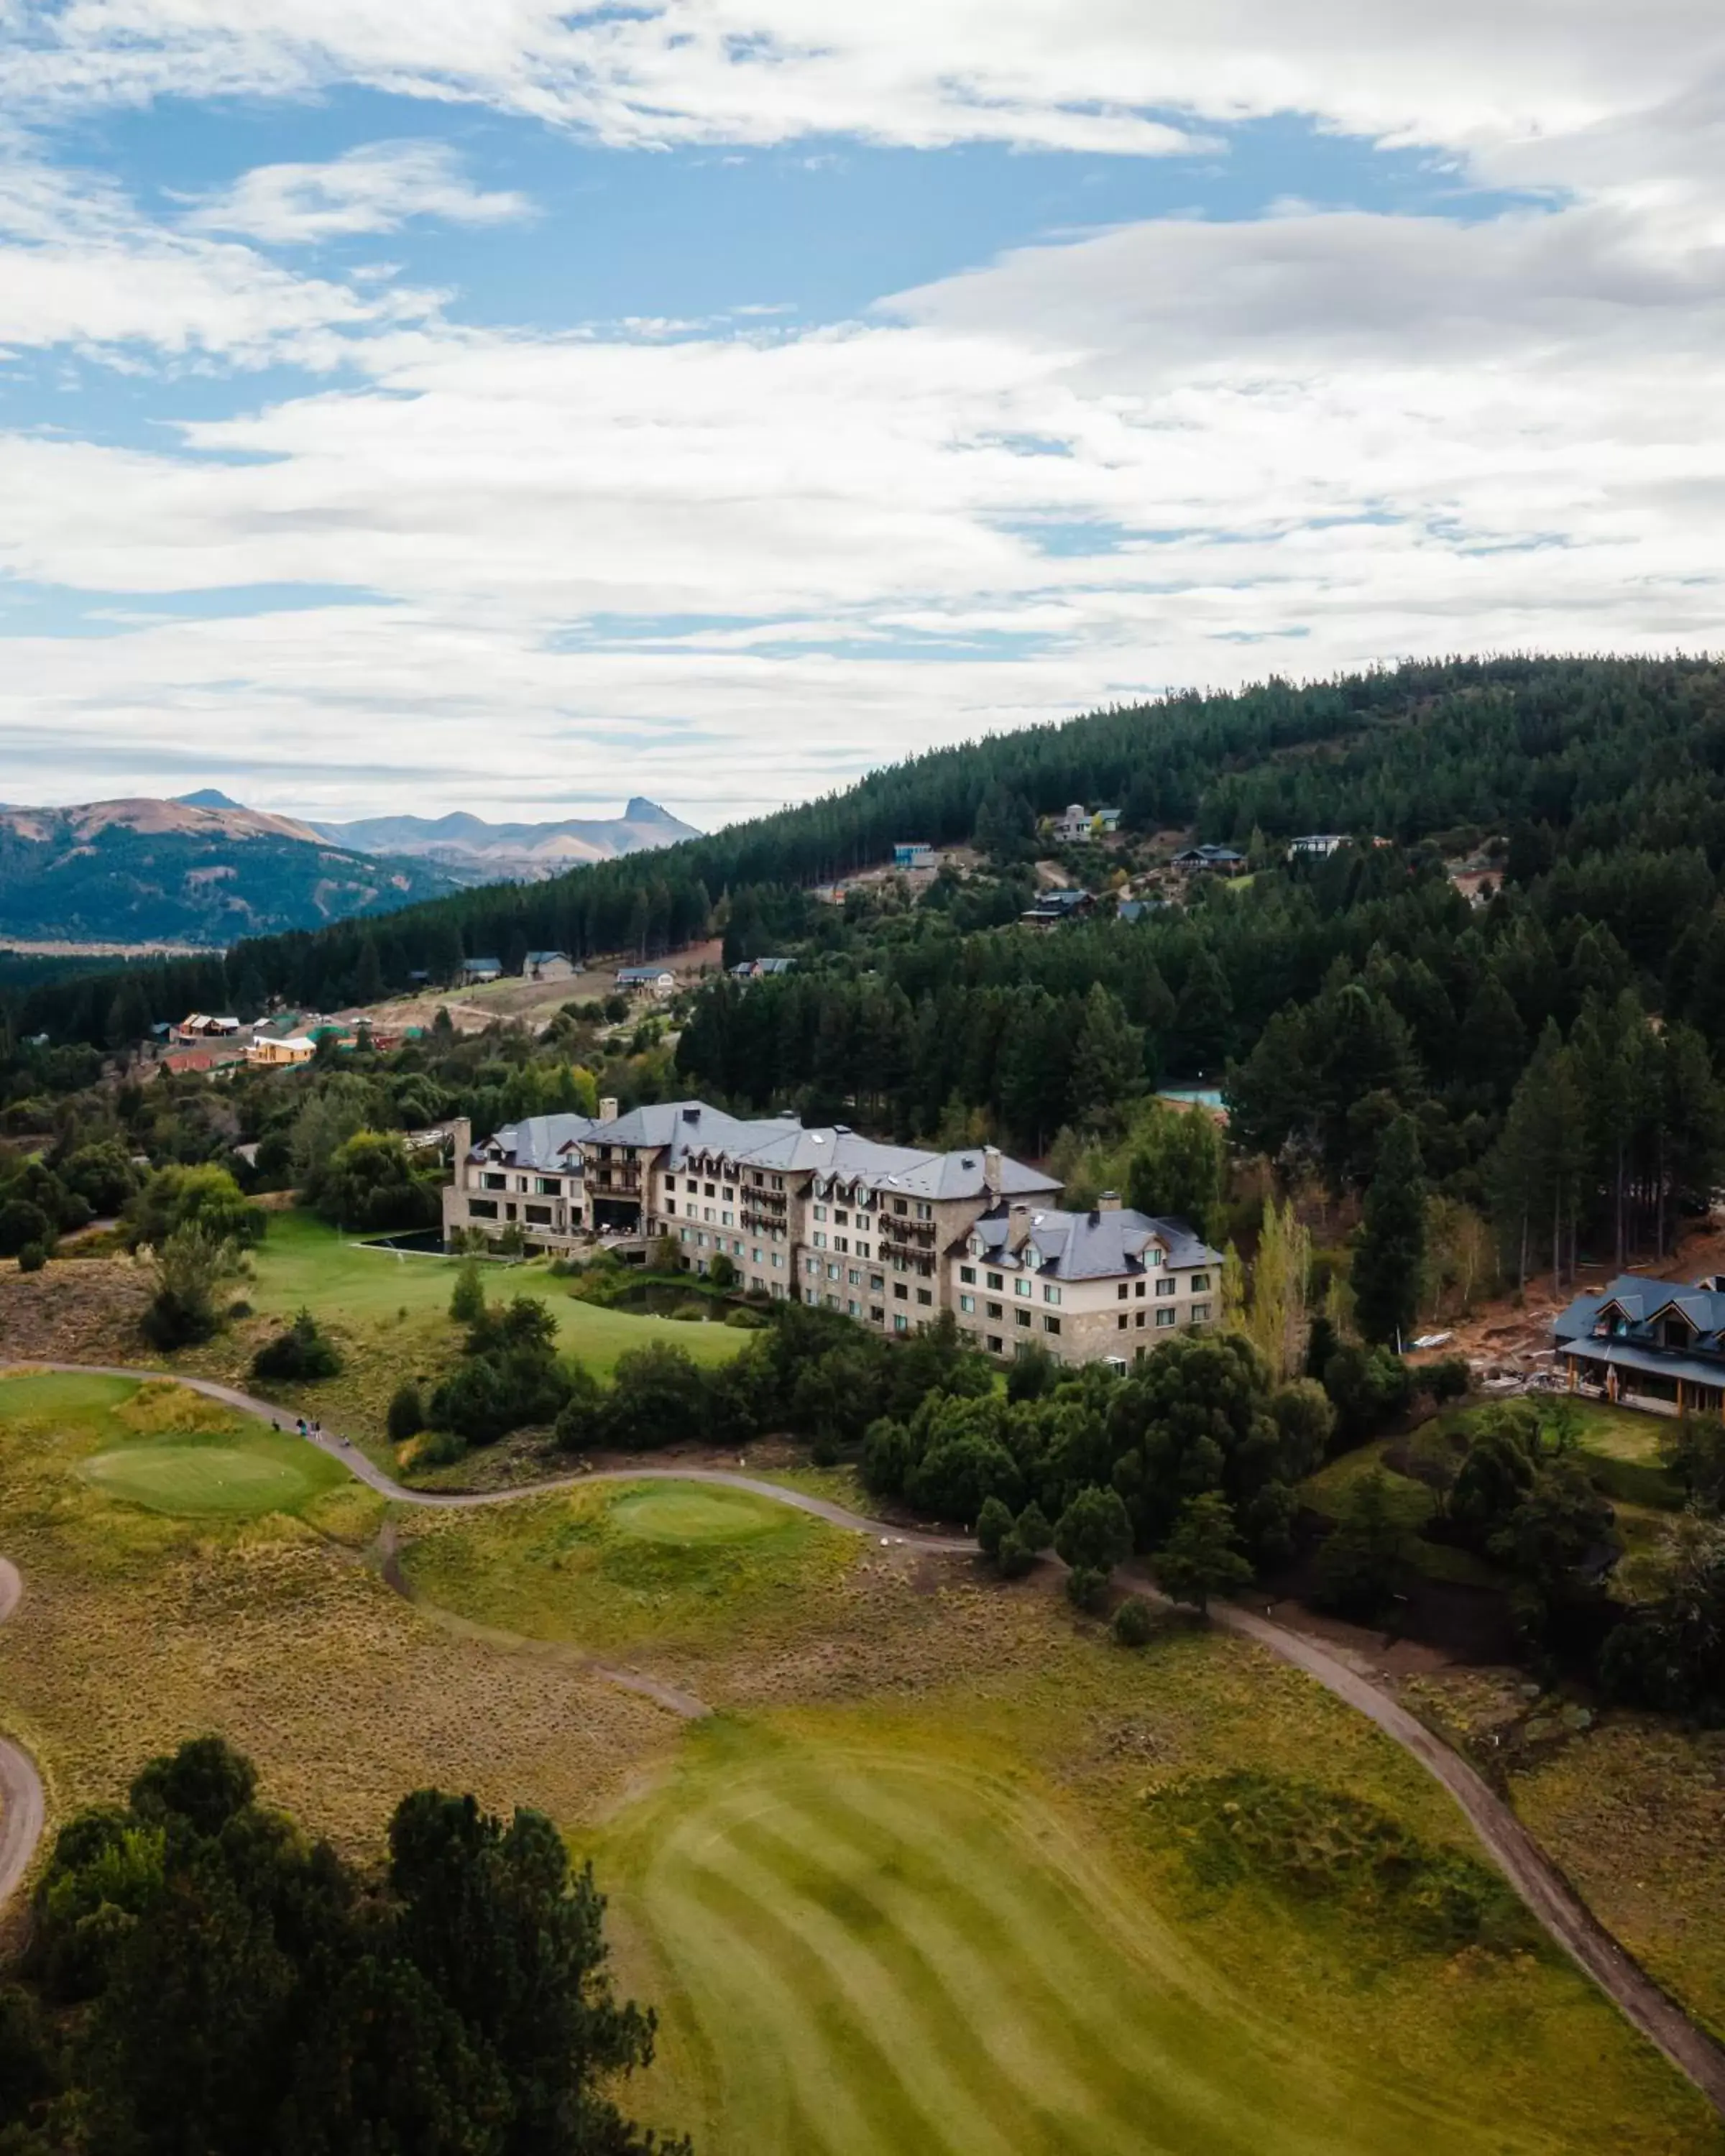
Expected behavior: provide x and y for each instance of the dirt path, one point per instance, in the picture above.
(1549, 1896)
(23, 1809)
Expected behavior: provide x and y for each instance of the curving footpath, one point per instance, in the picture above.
(1549, 1896)
(23, 1810)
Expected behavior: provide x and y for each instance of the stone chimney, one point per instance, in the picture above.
(462, 1138)
(1018, 1227)
(607, 1109)
(1109, 1201)
(993, 1176)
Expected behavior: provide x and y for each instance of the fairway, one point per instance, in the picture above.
(862, 1951)
(684, 1512)
(257, 1474)
(304, 1265)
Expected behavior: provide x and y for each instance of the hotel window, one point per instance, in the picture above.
(820, 1212)
(693, 1187)
(729, 1194)
(1021, 1287)
(812, 1267)
(967, 1303)
(900, 1293)
(1164, 1318)
(670, 1204)
(841, 1218)
(968, 1274)
(1166, 1287)
(841, 1242)
(700, 1242)
(899, 1206)
(1200, 1313)
(1022, 1317)
(877, 1285)
(778, 1183)
(996, 1346)
(1050, 1325)
(779, 1259)
(1200, 1285)
(995, 1311)
(708, 1191)
(685, 1236)
(489, 1182)
(1049, 1293)
(754, 1257)
(548, 1186)
(863, 1250)
(1122, 1290)
(923, 1295)
(876, 1315)
(725, 1220)
(820, 1239)
(853, 1309)
(996, 1281)
(900, 1323)
(853, 1277)
(925, 1212)
(1121, 1321)
(482, 1208)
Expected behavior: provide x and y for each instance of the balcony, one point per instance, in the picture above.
(907, 1235)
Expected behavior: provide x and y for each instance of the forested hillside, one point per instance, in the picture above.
(1336, 996)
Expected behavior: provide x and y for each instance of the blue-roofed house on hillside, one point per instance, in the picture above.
(1648, 1343)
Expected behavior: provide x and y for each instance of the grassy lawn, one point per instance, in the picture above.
(388, 1314)
(1411, 1502)
(302, 1264)
(1635, 1812)
(913, 1886)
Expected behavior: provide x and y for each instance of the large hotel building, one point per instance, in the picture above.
(890, 1234)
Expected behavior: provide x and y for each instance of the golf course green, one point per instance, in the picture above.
(240, 1477)
(684, 1512)
(865, 1949)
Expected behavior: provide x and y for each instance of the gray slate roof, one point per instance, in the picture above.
(1633, 1306)
(779, 1144)
(1100, 1245)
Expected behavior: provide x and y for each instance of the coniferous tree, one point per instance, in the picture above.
(1390, 1255)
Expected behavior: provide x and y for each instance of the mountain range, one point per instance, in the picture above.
(205, 871)
(469, 851)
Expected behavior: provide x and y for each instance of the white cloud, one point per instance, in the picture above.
(715, 564)
(1327, 440)
(376, 188)
(1560, 94)
(81, 266)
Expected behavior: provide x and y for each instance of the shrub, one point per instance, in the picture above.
(300, 1355)
(690, 1313)
(746, 1320)
(722, 1273)
(1448, 1379)
(1095, 1533)
(1087, 1589)
(23, 1224)
(407, 1414)
(440, 1448)
(33, 1257)
(1032, 1530)
(1011, 1557)
(993, 1524)
(467, 1298)
(1134, 1622)
(188, 1268)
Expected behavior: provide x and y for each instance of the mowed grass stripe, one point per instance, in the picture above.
(969, 1989)
(851, 2093)
(1146, 2023)
(1020, 1912)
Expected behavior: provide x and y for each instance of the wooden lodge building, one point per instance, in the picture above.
(1648, 1343)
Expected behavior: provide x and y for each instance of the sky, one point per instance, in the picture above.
(495, 405)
